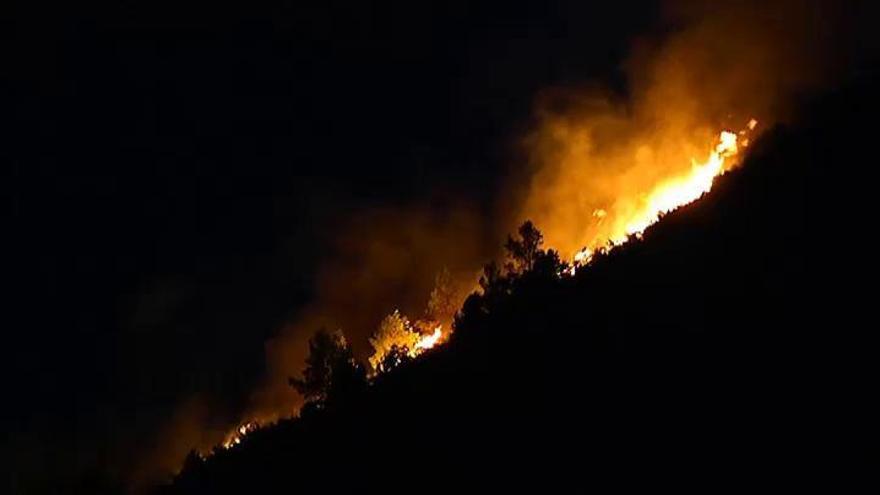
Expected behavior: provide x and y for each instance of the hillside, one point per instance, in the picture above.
(721, 346)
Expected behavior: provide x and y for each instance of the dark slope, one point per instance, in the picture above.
(723, 347)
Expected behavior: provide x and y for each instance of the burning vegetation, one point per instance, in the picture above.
(332, 369)
(234, 438)
(604, 168)
(398, 339)
(671, 193)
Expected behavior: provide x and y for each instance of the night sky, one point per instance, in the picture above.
(177, 172)
(180, 173)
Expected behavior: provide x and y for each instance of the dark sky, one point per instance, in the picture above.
(177, 171)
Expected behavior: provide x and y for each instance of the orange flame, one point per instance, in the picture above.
(668, 195)
(429, 341)
(675, 192)
(680, 191)
(235, 437)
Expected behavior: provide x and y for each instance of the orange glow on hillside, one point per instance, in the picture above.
(672, 192)
(429, 341)
(669, 194)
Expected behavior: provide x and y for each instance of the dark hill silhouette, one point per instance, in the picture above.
(720, 347)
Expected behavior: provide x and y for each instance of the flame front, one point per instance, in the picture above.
(429, 341)
(235, 437)
(411, 339)
(672, 193)
(396, 334)
(680, 191)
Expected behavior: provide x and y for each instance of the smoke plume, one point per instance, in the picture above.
(596, 155)
(592, 156)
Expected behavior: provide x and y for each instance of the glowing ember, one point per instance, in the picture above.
(235, 437)
(397, 333)
(674, 192)
(583, 256)
(683, 190)
(429, 341)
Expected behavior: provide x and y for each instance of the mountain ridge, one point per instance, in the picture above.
(706, 349)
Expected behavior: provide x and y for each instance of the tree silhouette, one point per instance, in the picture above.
(522, 253)
(395, 331)
(493, 281)
(673, 341)
(331, 372)
(442, 302)
(395, 357)
(547, 264)
(193, 461)
(524, 258)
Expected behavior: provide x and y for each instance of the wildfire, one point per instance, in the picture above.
(396, 333)
(583, 256)
(235, 437)
(677, 191)
(429, 341)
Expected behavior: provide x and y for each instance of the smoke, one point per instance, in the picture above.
(377, 261)
(595, 154)
(383, 260)
(188, 429)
